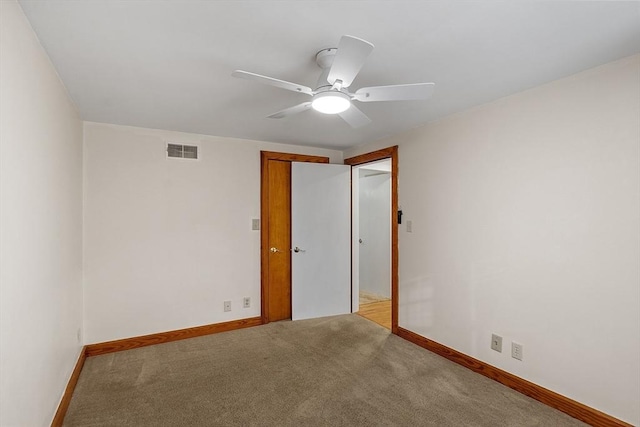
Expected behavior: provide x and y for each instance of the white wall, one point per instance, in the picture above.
(167, 241)
(375, 231)
(526, 223)
(41, 223)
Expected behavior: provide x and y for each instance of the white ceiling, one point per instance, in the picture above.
(168, 64)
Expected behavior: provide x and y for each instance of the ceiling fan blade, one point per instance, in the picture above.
(351, 54)
(395, 93)
(291, 111)
(355, 117)
(271, 81)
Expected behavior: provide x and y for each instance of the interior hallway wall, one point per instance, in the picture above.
(526, 224)
(167, 241)
(375, 232)
(41, 223)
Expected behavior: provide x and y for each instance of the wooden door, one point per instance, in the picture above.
(279, 176)
(275, 213)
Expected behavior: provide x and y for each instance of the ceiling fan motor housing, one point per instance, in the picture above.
(324, 59)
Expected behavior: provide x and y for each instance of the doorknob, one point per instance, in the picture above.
(274, 250)
(297, 249)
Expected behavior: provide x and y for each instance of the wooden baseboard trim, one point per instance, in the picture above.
(163, 337)
(58, 418)
(571, 407)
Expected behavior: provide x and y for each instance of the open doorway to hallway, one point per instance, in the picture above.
(385, 311)
(374, 240)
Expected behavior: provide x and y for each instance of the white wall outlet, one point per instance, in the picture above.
(516, 350)
(496, 343)
(409, 226)
(255, 224)
(227, 306)
(246, 302)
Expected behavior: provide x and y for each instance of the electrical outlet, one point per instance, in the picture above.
(409, 226)
(496, 343)
(255, 224)
(79, 336)
(227, 306)
(516, 350)
(246, 302)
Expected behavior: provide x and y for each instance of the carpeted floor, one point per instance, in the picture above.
(334, 371)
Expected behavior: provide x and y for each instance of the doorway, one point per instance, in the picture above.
(275, 232)
(372, 221)
(275, 288)
(391, 155)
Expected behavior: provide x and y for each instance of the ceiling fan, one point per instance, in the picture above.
(339, 68)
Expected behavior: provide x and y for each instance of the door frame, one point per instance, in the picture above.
(387, 153)
(265, 156)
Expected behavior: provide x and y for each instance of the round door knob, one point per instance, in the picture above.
(274, 250)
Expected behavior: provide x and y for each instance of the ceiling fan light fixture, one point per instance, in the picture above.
(332, 95)
(331, 102)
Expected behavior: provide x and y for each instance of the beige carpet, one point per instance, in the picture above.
(335, 371)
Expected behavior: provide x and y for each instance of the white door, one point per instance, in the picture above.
(320, 240)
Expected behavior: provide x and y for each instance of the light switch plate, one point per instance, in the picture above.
(496, 343)
(255, 224)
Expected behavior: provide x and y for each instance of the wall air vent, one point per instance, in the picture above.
(182, 151)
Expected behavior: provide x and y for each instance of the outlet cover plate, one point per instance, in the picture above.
(227, 306)
(516, 350)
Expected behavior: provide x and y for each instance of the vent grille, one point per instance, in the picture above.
(182, 151)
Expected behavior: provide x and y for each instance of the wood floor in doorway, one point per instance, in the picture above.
(378, 312)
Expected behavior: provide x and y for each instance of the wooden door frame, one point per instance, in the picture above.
(265, 156)
(387, 153)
